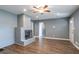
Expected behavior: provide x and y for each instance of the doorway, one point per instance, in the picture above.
(71, 29)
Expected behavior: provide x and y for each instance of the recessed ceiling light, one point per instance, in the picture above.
(24, 10)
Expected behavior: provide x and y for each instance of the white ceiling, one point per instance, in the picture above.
(57, 11)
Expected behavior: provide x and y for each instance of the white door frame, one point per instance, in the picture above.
(71, 29)
(41, 35)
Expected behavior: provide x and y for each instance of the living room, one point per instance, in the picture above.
(39, 29)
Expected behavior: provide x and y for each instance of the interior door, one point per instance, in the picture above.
(71, 30)
(41, 34)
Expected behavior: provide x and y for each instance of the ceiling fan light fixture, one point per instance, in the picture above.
(40, 9)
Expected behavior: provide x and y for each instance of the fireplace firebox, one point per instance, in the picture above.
(28, 34)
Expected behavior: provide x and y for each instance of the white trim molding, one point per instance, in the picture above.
(75, 45)
(59, 39)
(52, 38)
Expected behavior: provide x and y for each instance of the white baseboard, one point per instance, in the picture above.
(18, 44)
(58, 39)
(75, 45)
(52, 38)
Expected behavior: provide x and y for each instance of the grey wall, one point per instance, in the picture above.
(76, 25)
(36, 28)
(20, 20)
(61, 30)
(24, 21)
(8, 22)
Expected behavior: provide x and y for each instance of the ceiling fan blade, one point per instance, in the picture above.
(46, 10)
(34, 11)
(35, 7)
(46, 6)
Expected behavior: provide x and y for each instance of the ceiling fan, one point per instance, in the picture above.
(40, 9)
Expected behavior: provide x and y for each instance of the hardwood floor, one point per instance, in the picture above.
(50, 47)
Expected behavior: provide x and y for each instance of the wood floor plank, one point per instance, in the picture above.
(51, 46)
